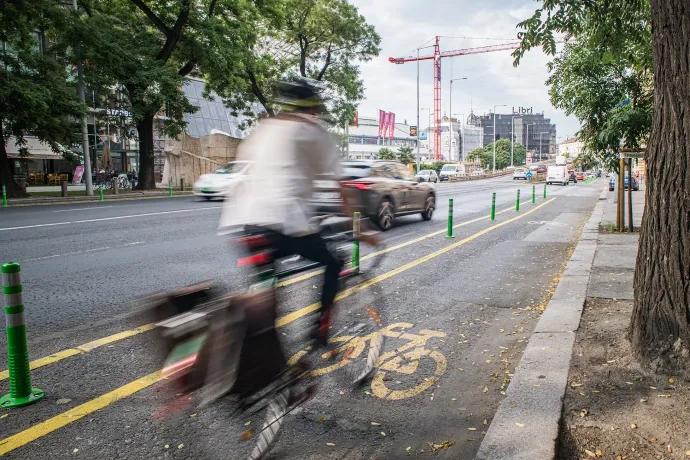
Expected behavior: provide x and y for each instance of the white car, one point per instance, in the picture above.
(520, 173)
(222, 181)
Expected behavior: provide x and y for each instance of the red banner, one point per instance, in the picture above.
(382, 114)
(391, 122)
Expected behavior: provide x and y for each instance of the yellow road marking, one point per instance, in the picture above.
(85, 348)
(37, 431)
(306, 276)
(24, 437)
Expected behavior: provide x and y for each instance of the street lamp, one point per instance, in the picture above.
(499, 105)
(450, 120)
(527, 140)
(462, 125)
(512, 139)
(418, 109)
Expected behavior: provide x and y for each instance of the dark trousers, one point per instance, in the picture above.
(312, 247)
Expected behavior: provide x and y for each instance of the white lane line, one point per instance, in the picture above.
(103, 248)
(83, 209)
(107, 218)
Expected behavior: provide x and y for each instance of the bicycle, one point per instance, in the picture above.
(211, 339)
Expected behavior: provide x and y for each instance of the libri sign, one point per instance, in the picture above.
(523, 111)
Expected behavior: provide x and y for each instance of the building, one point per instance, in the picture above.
(570, 148)
(364, 142)
(534, 131)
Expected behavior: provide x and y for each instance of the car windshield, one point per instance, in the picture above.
(424, 173)
(233, 167)
(448, 168)
(519, 170)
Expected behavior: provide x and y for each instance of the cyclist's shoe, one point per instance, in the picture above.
(319, 334)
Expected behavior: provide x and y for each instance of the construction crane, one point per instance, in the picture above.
(436, 57)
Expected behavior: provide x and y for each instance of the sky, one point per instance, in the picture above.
(405, 25)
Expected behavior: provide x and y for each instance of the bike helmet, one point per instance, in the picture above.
(299, 94)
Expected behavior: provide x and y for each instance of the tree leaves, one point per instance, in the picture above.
(503, 146)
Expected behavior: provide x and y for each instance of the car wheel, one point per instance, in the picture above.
(208, 198)
(429, 207)
(385, 217)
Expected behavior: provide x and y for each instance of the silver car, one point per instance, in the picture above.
(386, 190)
(427, 175)
(520, 173)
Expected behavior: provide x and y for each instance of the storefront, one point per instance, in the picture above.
(41, 164)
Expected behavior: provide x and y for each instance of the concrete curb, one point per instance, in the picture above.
(43, 201)
(526, 425)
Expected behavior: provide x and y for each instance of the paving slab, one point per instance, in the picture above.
(571, 287)
(610, 283)
(614, 256)
(526, 425)
(563, 315)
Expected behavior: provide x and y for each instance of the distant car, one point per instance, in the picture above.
(222, 181)
(520, 173)
(589, 175)
(449, 171)
(478, 172)
(557, 174)
(572, 176)
(612, 183)
(427, 175)
(386, 189)
(580, 175)
(541, 169)
(635, 183)
(533, 169)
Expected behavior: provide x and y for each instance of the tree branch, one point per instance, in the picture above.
(211, 8)
(187, 68)
(326, 64)
(152, 16)
(259, 94)
(174, 35)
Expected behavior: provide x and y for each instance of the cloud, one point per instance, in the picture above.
(405, 25)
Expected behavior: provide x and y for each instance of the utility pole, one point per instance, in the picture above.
(499, 105)
(418, 110)
(84, 128)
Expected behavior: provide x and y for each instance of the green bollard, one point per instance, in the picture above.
(517, 202)
(170, 188)
(100, 192)
(21, 393)
(4, 196)
(355, 243)
(544, 190)
(449, 232)
(534, 194)
(493, 206)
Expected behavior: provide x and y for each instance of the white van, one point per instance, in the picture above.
(449, 172)
(557, 175)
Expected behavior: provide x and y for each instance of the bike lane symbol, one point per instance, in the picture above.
(402, 361)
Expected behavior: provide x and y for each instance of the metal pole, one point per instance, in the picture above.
(450, 121)
(355, 243)
(621, 195)
(347, 140)
(534, 194)
(630, 206)
(84, 128)
(493, 206)
(494, 167)
(100, 192)
(21, 393)
(4, 196)
(170, 188)
(512, 139)
(544, 190)
(449, 232)
(418, 127)
(517, 202)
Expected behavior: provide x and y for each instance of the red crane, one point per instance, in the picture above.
(437, 56)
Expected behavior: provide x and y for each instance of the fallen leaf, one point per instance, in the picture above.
(181, 446)
(687, 453)
(408, 449)
(590, 453)
(167, 446)
(599, 454)
(330, 444)
(472, 429)
(63, 401)
(633, 426)
(454, 399)
(193, 415)
(485, 390)
(248, 423)
(486, 422)
(460, 369)
(652, 440)
(4, 415)
(664, 396)
(488, 361)
(671, 380)
(75, 450)
(575, 385)
(383, 433)
(669, 449)
(584, 412)
(342, 393)
(375, 424)
(643, 400)
(521, 425)
(246, 435)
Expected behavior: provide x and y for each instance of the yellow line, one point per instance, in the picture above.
(85, 348)
(37, 431)
(24, 437)
(306, 276)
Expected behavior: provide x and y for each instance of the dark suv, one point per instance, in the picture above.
(386, 189)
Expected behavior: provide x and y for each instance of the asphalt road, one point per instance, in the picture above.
(461, 302)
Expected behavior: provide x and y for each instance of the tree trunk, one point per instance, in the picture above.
(660, 326)
(147, 180)
(6, 178)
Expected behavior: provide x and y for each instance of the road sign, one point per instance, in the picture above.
(528, 175)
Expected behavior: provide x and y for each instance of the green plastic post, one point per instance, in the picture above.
(100, 192)
(355, 243)
(517, 202)
(21, 393)
(4, 196)
(449, 232)
(170, 188)
(534, 194)
(493, 206)
(544, 190)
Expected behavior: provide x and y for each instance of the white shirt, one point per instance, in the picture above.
(287, 153)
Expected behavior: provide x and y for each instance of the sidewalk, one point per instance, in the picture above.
(107, 195)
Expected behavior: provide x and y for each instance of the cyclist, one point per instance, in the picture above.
(288, 151)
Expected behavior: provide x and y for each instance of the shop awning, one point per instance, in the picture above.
(37, 150)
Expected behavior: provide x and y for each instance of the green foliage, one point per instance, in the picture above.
(486, 154)
(405, 155)
(35, 95)
(319, 39)
(386, 154)
(603, 77)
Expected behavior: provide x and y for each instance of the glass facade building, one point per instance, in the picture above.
(534, 131)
